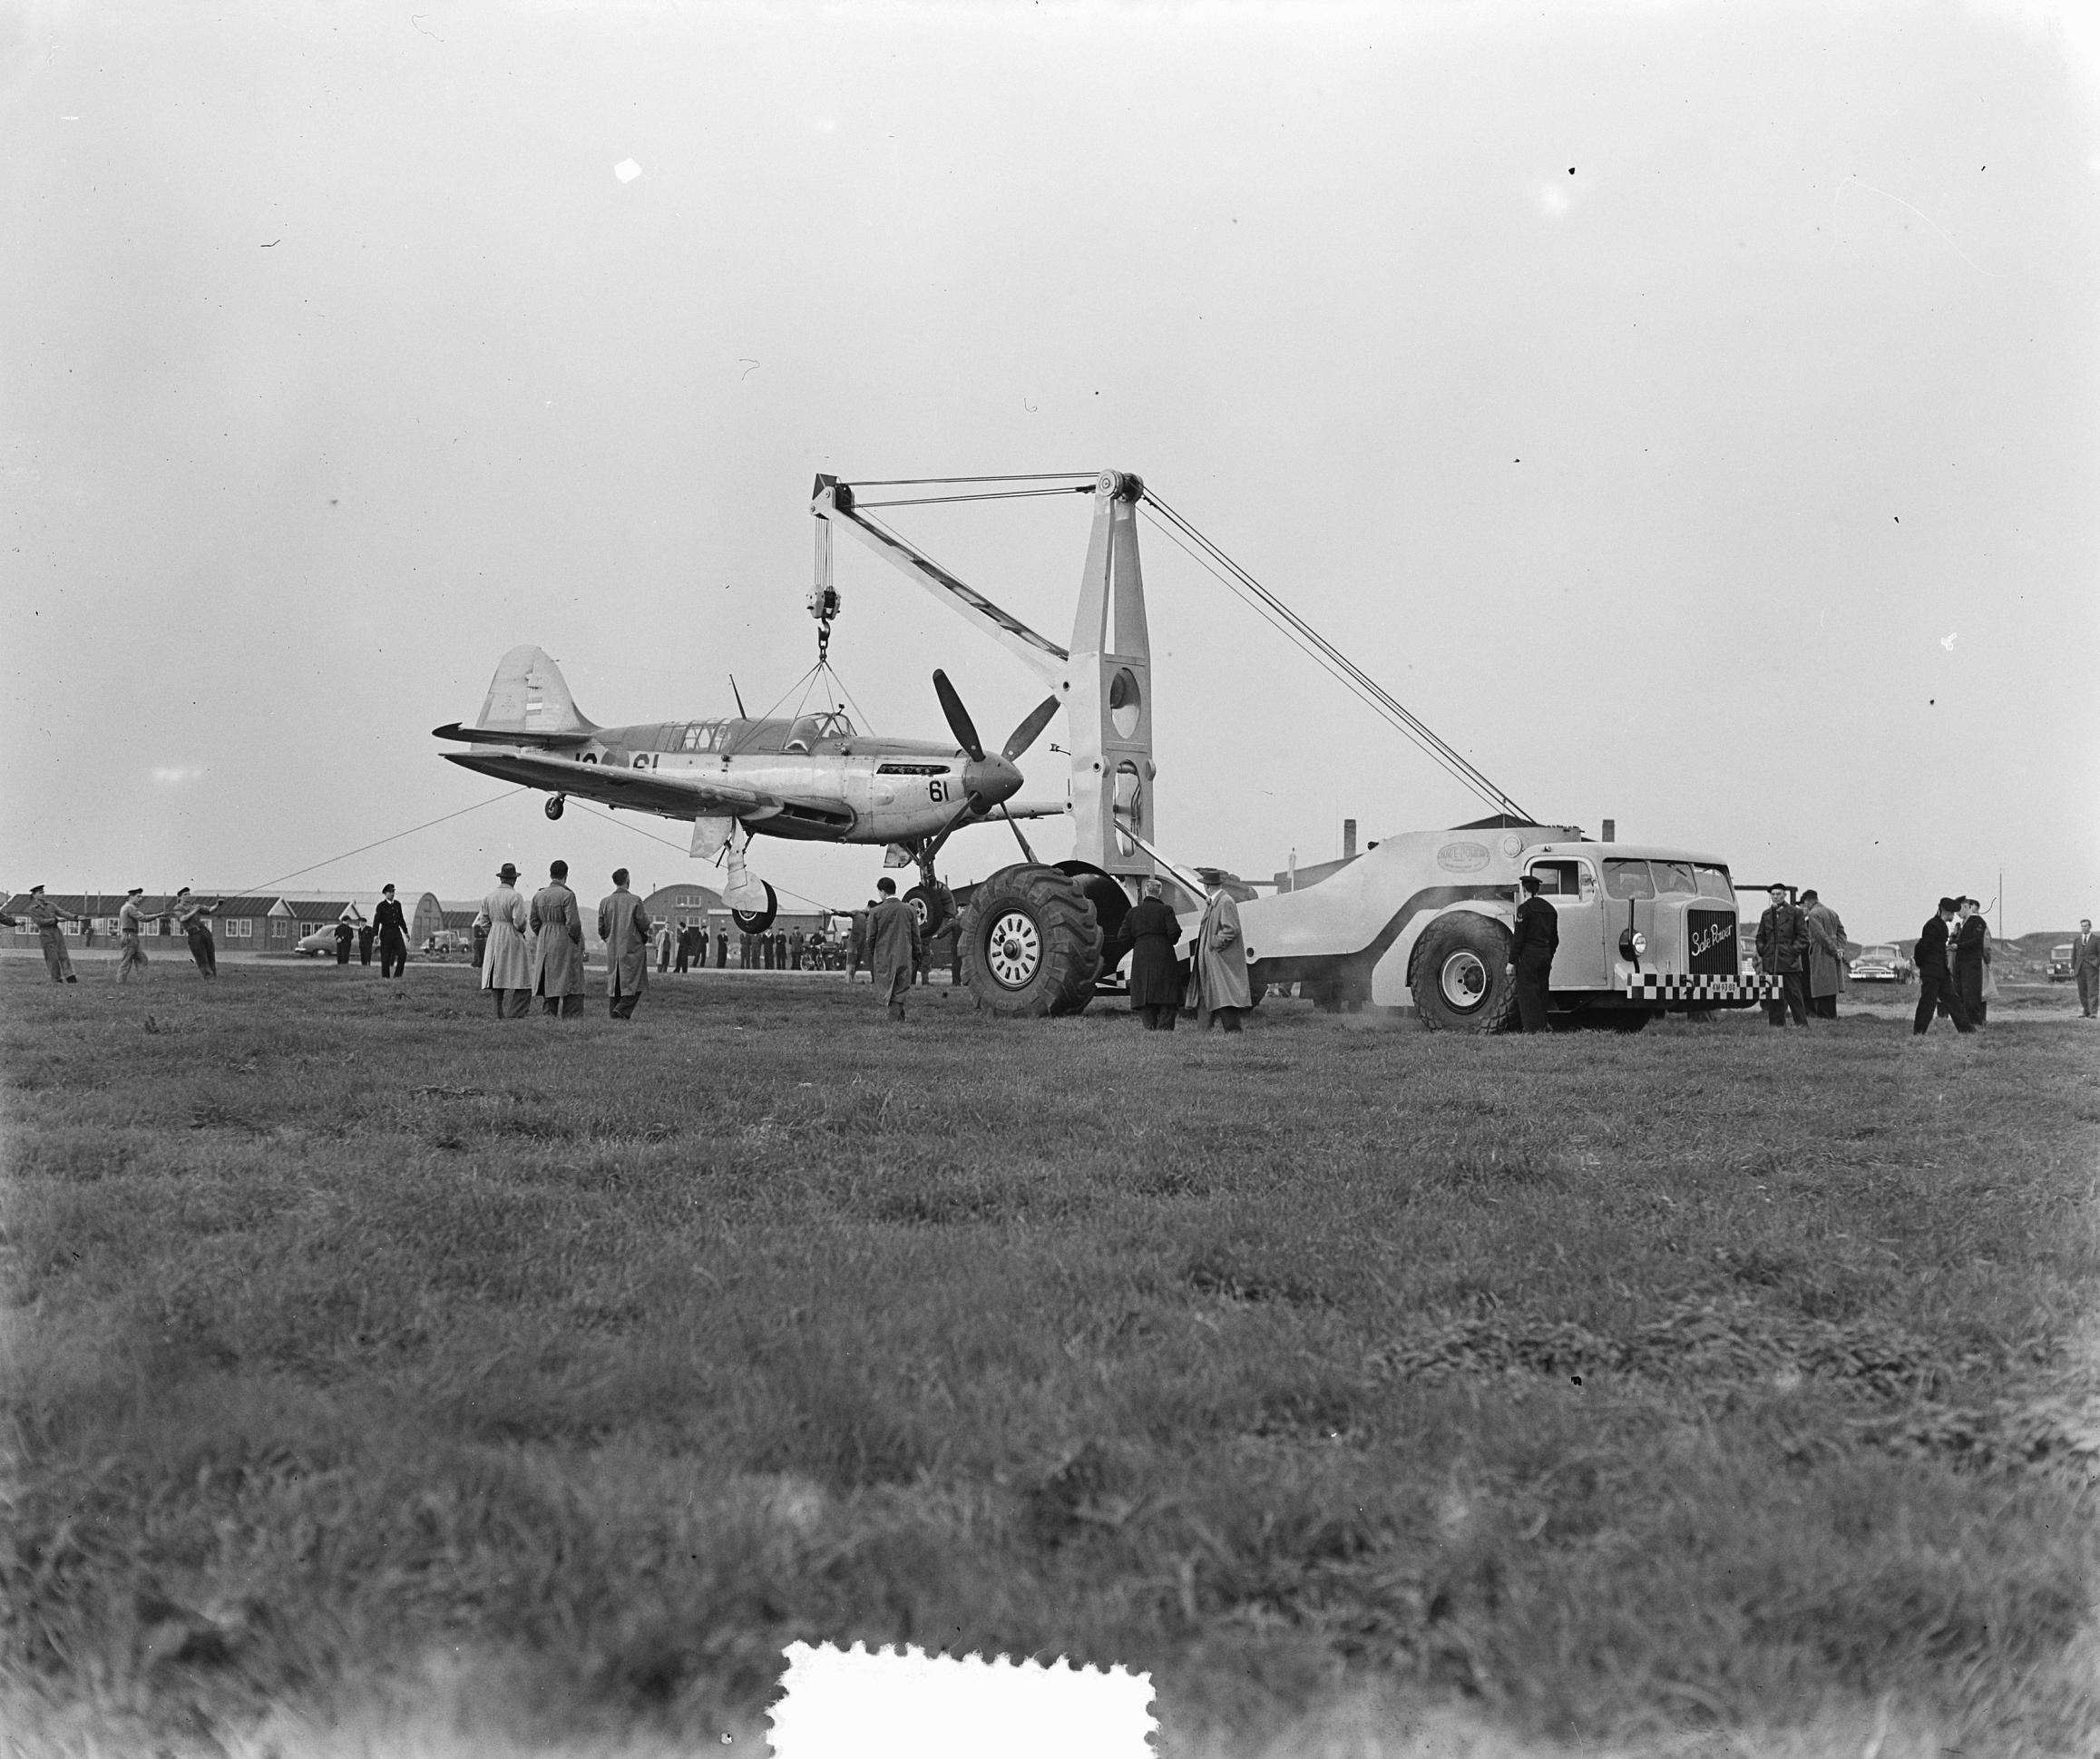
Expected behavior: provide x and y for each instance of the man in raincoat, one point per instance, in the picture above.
(507, 967)
(892, 945)
(623, 926)
(1828, 976)
(48, 916)
(557, 925)
(1218, 978)
(1781, 951)
(1155, 986)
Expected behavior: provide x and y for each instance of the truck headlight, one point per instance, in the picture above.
(1640, 944)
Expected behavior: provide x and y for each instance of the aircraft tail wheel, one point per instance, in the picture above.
(934, 905)
(554, 806)
(756, 921)
(1460, 979)
(1030, 944)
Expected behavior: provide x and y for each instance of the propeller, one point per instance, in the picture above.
(985, 775)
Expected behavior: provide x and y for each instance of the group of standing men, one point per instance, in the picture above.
(537, 949)
(1217, 986)
(1803, 945)
(1953, 961)
(192, 915)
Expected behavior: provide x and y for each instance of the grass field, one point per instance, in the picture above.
(1682, 1392)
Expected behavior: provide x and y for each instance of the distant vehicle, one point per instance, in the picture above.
(446, 944)
(1881, 964)
(321, 942)
(2060, 963)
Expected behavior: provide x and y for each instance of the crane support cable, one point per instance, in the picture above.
(1243, 586)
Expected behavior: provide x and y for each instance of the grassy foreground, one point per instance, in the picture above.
(1627, 1390)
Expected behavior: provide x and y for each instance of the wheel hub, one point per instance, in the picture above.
(1464, 980)
(1013, 950)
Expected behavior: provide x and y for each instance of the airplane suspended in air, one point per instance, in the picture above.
(813, 778)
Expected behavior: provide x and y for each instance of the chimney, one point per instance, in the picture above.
(1348, 838)
(1610, 830)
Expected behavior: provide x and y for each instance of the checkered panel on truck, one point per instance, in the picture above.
(1699, 986)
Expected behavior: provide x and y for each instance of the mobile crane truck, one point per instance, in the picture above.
(1422, 921)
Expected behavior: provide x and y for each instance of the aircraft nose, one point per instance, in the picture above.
(993, 779)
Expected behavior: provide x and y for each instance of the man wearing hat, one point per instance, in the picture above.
(1782, 952)
(131, 922)
(1935, 983)
(507, 967)
(393, 934)
(557, 945)
(48, 916)
(623, 926)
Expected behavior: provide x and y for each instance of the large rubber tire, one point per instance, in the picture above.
(756, 921)
(1462, 983)
(934, 906)
(1030, 944)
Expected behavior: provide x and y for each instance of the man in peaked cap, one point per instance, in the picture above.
(1935, 983)
(48, 916)
(393, 936)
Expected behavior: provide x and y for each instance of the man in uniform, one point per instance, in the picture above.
(1935, 983)
(1531, 951)
(132, 920)
(392, 928)
(893, 951)
(506, 964)
(193, 917)
(346, 932)
(557, 926)
(1781, 950)
(48, 916)
(1156, 981)
(2084, 967)
(623, 926)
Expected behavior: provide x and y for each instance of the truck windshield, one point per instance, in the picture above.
(1674, 877)
(1714, 882)
(1627, 879)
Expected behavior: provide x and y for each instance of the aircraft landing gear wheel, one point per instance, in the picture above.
(1030, 944)
(934, 905)
(1461, 983)
(756, 921)
(553, 808)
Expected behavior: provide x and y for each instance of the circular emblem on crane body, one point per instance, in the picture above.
(1463, 857)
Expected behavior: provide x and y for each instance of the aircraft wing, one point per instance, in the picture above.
(644, 790)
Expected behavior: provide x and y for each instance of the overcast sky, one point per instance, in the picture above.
(1690, 411)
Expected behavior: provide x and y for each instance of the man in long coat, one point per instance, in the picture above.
(557, 926)
(1828, 974)
(1155, 983)
(663, 947)
(1217, 980)
(1967, 950)
(1781, 952)
(623, 926)
(48, 916)
(892, 945)
(506, 966)
(1935, 983)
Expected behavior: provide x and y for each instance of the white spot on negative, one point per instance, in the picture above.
(627, 170)
(941, 1708)
(1947, 641)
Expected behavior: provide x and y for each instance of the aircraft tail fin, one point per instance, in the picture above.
(528, 694)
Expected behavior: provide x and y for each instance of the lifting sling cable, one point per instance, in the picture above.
(1245, 587)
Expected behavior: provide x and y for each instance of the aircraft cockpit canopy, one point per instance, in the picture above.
(809, 731)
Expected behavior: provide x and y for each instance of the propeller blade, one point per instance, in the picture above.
(1026, 734)
(959, 722)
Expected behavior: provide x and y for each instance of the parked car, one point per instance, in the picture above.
(448, 943)
(321, 942)
(2060, 963)
(1881, 964)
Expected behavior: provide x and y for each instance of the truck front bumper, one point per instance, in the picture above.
(1697, 989)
